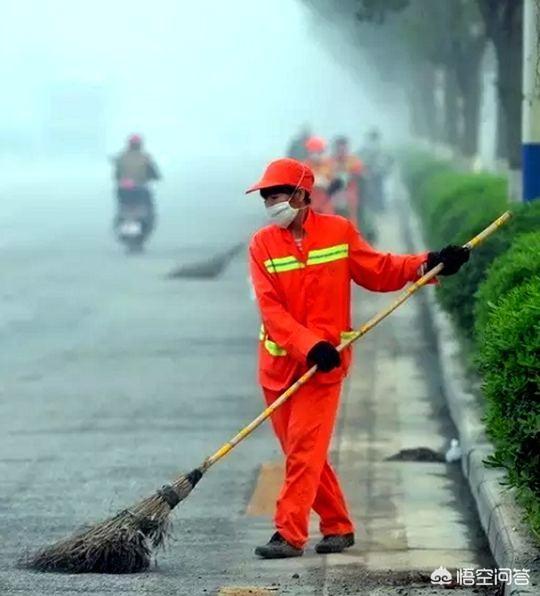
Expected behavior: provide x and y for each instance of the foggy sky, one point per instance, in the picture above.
(208, 78)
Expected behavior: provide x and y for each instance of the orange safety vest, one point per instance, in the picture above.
(348, 197)
(304, 295)
(322, 171)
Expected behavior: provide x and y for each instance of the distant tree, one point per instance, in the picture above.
(450, 36)
(463, 42)
(504, 25)
(384, 48)
(424, 38)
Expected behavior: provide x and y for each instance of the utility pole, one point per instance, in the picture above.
(531, 100)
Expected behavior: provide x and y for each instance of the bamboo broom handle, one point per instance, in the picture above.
(375, 320)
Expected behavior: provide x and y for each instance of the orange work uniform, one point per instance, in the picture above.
(304, 296)
(322, 170)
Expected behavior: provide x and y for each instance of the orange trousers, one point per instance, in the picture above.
(304, 426)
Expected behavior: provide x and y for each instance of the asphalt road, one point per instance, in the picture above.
(115, 378)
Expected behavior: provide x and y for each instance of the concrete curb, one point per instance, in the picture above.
(510, 543)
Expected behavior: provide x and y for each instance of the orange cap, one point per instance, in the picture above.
(285, 172)
(315, 145)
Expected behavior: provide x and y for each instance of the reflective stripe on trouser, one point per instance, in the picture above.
(304, 426)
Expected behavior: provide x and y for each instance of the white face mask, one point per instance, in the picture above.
(281, 214)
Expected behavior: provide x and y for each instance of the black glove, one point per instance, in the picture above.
(451, 256)
(324, 355)
(335, 185)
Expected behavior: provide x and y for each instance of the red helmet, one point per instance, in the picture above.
(135, 140)
(285, 172)
(315, 145)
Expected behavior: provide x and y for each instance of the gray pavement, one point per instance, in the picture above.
(114, 379)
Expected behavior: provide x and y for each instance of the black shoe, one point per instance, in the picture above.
(334, 543)
(278, 548)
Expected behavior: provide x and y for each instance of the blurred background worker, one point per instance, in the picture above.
(297, 147)
(377, 166)
(134, 169)
(322, 170)
(347, 170)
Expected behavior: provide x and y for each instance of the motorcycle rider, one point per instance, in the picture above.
(134, 169)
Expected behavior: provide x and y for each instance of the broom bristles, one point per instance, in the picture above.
(121, 544)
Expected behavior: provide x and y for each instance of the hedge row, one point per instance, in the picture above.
(495, 302)
(509, 360)
(454, 207)
(519, 264)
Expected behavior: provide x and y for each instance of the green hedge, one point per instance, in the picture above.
(454, 207)
(495, 302)
(509, 360)
(458, 294)
(514, 267)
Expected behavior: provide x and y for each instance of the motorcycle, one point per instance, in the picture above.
(135, 217)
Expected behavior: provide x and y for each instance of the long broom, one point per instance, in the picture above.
(124, 543)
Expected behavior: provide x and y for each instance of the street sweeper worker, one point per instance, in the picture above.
(302, 265)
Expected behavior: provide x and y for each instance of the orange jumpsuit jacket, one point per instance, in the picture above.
(304, 294)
